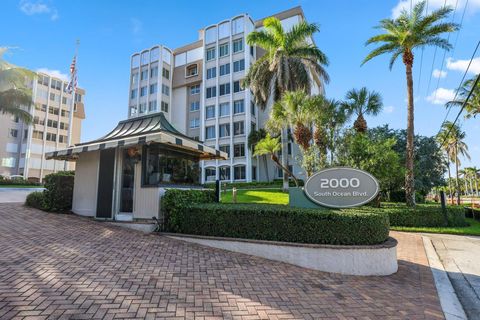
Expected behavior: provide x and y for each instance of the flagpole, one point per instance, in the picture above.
(72, 103)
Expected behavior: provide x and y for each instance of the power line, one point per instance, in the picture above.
(433, 61)
(421, 59)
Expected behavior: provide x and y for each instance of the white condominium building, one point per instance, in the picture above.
(198, 88)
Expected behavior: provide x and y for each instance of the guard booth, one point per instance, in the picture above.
(123, 175)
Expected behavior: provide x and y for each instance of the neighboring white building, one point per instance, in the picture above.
(198, 88)
(22, 147)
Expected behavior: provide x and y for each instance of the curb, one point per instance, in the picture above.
(451, 306)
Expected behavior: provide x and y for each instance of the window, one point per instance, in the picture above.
(142, 107)
(192, 70)
(63, 126)
(224, 130)
(238, 128)
(237, 87)
(37, 135)
(64, 100)
(211, 92)
(238, 106)
(78, 97)
(210, 174)
(164, 106)
(195, 89)
(144, 75)
(36, 120)
(52, 123)
(54, 111)
(62, 139)
(210, 132)
(252, 50)
(237, 25)
(194, 123)
(55, 84)
(166, 73)
(133, 110)
(237, 45)
(65, 113)
(211, 73)
(289, 148)
(210, 54)
(195, 106)
(239, 65)
(225, 148)
(223, 49)
(154, 72)
(51, 136)
(13, 133)
(52, 96)
(133, 94)
(143, 91)
(239, 173)
(165, 90)
(224, 89)
(254, 173)
(209, 112)
(165, 166)
(224, 109)
(153, 88)
(252, 108)
(239, 150)
(224, 173)
(152, 106)
(224, 69)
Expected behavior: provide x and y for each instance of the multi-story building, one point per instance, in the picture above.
(22, 147)
(199, 89)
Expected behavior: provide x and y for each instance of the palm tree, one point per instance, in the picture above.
(454, 137)
(271, 146)
(402, 35)
(328, 124)
(291, 62)
(361, 102)
(472, 107)
(253, 138)
(448, 156)
(14, 92)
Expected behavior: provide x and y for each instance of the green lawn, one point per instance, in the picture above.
(270, 196)
(472, 230)
(19, 186)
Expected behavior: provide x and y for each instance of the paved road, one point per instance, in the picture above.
(460, 256)
(15, 195)
(68, 267)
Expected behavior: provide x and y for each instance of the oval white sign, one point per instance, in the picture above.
(341, 187)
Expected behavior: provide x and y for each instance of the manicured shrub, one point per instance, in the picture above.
(399, 196)
(58, 191)
(280, 223)
(36, 200)
(423, 215)
(175, 200)
(17, 182)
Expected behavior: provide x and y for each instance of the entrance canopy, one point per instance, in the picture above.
(148, 129)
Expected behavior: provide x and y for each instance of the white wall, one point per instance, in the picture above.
(147, 200)
(179, 114)
(86, 184)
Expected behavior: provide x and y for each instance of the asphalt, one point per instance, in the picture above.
(8, 195)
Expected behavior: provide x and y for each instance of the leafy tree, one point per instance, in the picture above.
(362, 102)
(472, 108)
(290, 63)
(410, 31)
(15, 95)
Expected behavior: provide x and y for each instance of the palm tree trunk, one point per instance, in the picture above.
(284, 138)
(476, 186)
(264, 157)
(450, 191)
(456, 173)
(284, 169)
(471, 186)
(409, 175)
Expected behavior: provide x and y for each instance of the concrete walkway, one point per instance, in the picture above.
(460, 256)
(16, 194)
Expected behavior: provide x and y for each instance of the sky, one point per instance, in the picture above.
(41, 35)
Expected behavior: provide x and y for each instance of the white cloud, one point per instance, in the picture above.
(31, 8)
(441, 96)
(137, 26)
(389, 109)
(439, 73)
(461, 65)
(54, 73)
(473, 5)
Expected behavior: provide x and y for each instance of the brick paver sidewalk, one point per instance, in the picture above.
(63, 266)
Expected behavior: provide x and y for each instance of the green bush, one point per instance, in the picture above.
(175, 200)
(58, 191)
(17, 182)
(280, 223)
(36, 200)
(423, 215)
(399, 196)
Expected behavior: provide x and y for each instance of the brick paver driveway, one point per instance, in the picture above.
(63, 266)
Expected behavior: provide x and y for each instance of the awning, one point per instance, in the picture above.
(139, 131)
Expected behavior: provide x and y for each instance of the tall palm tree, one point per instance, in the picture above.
(362, 102)
(291, 62)
(410, 31)
(270, 146)
(448, 156)
(472, 107)
(15, 95)
(454, 137)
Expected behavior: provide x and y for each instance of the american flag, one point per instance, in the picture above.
(72, 85)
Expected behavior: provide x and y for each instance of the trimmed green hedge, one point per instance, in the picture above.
(35, 200)
(17, 182)
(280, 223)
(423, 215)
(58, 193)
(175, 200)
